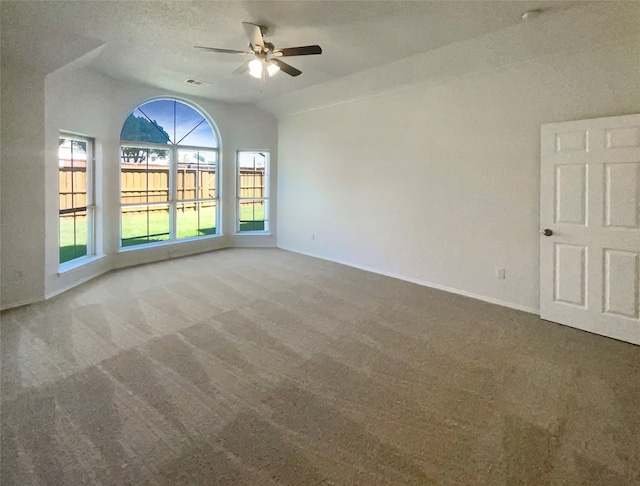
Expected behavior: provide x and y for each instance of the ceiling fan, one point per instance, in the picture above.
(266, 58)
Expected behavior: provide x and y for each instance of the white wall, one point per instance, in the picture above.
(78, 100)
(439, 183)
(81, 102)
(22, 188)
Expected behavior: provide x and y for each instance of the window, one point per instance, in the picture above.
(253, 191)
(168, 174)
(76, 197)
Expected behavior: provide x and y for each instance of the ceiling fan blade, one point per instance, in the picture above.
(243, 68)
(284, 67)
(298, 51)
(224, 51)
(255, 34)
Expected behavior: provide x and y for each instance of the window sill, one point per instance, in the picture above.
(253, 233)
(71, 266)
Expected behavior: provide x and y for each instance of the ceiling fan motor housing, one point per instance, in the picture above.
(268, 47)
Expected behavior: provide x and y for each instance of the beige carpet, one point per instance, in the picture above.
(262, 367)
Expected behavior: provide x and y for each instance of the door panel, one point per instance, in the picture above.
(622, 137)
(570, 274)
(621, 272)
(571, 194)
(590, 200)
(572, 141)
(622, 195)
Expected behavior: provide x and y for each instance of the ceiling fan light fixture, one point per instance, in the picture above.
(272, 68)
(255, 68)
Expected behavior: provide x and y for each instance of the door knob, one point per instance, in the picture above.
(547, 232)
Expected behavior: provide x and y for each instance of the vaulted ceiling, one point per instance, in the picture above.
(151, 42)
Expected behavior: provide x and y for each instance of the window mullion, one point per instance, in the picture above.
(173, 188)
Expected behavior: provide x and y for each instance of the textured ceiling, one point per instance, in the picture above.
(152, 42)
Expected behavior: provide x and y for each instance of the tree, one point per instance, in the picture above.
(139, 129)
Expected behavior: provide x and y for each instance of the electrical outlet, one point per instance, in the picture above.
(500, 273)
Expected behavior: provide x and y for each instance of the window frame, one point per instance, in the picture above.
(172, 200)
(265, 197)
(89, 208)
(198, 201)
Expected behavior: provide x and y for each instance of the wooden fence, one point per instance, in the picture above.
(72, 188)
(252, 183)
(142, 184)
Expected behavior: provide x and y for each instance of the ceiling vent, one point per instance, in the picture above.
(194, 81)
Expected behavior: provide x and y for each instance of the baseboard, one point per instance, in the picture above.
(252, 241)
(424, 283)
(20, 303)
(75, 283)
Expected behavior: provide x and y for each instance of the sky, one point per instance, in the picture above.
(248, 160)
(163, 112)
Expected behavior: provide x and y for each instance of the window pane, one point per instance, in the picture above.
(252, 215)
(192, 128)
(139, 127)
(168, 121)
(73, 235)
(144, 175)
(253, 174)
(196, 174)
(196, 219)
(72, 174)
(144, 224)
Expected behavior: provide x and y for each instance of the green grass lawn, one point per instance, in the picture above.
(136, 232)
(252, 217)
(70, 249)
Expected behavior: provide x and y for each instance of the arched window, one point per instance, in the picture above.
(169, 156)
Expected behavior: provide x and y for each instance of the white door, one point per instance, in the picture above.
(590, 207)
